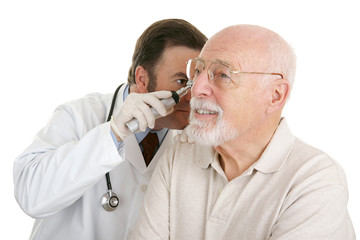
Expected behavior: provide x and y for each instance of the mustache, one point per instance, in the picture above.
(203, 104)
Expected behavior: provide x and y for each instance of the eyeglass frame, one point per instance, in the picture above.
(226, 65)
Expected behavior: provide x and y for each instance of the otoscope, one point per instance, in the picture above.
(133, 124)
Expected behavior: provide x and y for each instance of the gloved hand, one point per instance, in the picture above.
(137, 105)
(185, 136)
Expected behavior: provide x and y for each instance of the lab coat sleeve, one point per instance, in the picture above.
(67, 157)
(153, 221)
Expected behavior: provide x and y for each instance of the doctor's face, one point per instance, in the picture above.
(171, 76)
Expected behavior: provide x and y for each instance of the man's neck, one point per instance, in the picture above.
(237, 155)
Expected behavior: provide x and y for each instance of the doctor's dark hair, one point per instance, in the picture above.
(156, 38)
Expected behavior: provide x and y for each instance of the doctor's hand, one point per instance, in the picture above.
(137, 105)
(185, 136)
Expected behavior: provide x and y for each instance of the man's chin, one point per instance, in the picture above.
(212, 134)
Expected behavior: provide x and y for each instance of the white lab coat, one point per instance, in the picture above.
(60, 178)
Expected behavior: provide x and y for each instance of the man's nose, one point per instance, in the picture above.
(201, 86)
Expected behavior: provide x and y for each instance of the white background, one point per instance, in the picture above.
(55, 51)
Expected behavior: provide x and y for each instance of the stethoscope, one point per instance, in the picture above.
(109, 200)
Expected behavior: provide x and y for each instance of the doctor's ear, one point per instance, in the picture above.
(141, 79)
(280, 91)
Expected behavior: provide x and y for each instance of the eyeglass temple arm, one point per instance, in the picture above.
(263, 73)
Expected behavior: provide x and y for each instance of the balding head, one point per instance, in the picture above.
(258, 49)
(241, 79)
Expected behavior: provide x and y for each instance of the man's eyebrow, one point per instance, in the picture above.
(179, 75)
(223, 62)
(217, 61)
(226, 64)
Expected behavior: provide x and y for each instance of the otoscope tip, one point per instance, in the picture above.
(189, 83)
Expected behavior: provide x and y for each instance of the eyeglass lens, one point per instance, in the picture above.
(218, 73)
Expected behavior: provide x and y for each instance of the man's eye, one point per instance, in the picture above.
(196, 72)
(182, 82)
(224, 75)
(221, 75)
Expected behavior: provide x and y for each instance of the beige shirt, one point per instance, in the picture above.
(293, 191)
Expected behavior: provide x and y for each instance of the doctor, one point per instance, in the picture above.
(60, 178)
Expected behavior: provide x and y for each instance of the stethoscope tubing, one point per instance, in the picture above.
(107, 203)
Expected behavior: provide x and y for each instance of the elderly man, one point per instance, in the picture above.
(247, 176)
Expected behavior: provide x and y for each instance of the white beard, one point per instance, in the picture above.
(212, 133)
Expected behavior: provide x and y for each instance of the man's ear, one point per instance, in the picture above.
(141, 79)
(280, 91)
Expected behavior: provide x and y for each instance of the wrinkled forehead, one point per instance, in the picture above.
(240, 50)
(226, 52)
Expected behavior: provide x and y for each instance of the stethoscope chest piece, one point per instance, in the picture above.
(109, 201)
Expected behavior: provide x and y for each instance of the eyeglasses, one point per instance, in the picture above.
(219, 73)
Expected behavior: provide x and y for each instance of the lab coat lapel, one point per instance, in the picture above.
(133, 153)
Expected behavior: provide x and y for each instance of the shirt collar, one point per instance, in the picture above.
(277, 151)
(273, 157)
(208, 156)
